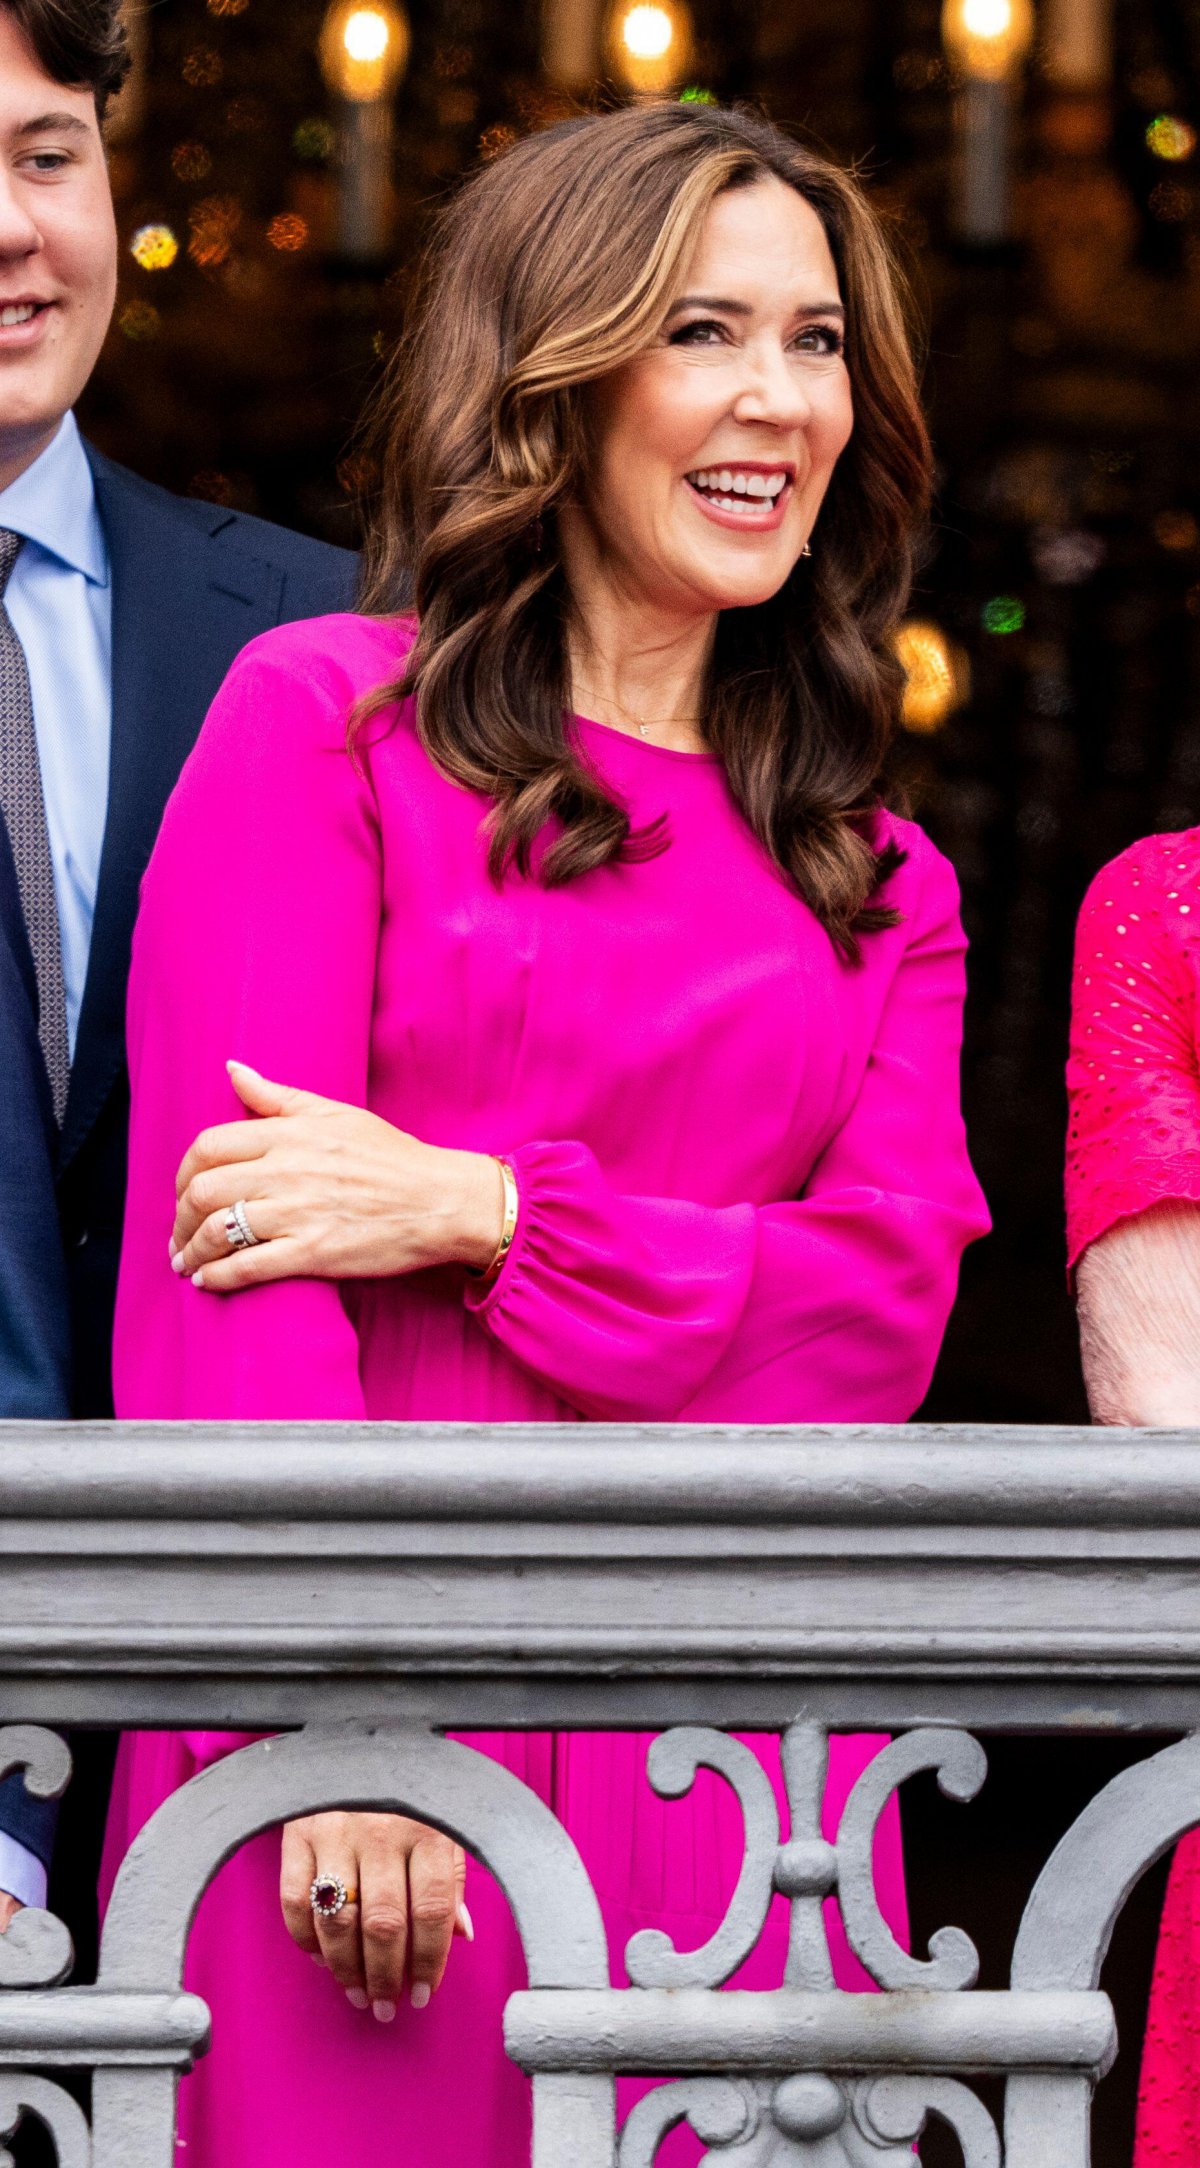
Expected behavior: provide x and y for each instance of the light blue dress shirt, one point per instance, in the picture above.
(59, 598)
(60, 601)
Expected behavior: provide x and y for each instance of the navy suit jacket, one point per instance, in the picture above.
(191, 584)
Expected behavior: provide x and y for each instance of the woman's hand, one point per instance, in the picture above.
(407, 1907)
(331, 1191)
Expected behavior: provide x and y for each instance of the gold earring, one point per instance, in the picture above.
(807, 550)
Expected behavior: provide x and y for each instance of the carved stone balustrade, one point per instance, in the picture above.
(376, 1587)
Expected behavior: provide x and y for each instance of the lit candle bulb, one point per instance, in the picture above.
(649, 44)
(364, 52)
(987, 41)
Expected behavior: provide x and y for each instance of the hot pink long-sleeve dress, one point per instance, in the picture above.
(744, 1195)
(1133, 1082)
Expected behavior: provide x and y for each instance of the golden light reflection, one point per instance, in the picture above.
(649, 44)
(988, 39)
(364, 49)
(1170, 138)
(288, 232)
(937, 675)
(154, 248)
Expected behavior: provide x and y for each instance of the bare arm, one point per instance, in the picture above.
(1139, 1318)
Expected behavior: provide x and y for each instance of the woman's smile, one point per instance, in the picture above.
(748, 495)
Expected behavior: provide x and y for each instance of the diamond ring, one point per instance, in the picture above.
(328, 1894)
(239, 1233)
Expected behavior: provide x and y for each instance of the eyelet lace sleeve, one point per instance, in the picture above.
(1133, 1078)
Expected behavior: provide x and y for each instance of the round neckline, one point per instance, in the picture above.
(647, 745)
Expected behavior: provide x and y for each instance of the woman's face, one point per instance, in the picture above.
(716, 447)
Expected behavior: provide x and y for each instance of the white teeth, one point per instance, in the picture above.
(738, 483)
(16, 313)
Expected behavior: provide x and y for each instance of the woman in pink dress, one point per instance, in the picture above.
(1133, 1219)
(605, 1028)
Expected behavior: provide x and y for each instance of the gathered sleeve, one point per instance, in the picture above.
(823, 1307)
(256, 941)
(1133, 1079)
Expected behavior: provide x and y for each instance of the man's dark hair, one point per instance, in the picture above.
(77, 42)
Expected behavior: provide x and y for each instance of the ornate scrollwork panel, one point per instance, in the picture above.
(651, 1958)
(62, 2116)
(899, 2108)
(961, 1767)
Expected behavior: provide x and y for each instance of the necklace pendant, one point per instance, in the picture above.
(643, 730)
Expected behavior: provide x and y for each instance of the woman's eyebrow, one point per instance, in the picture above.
(743, 308)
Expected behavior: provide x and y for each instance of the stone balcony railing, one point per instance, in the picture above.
(379, 1586)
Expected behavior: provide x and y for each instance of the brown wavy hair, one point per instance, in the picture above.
(553, 266)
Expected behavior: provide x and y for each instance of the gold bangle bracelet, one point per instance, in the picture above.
(512, 1205)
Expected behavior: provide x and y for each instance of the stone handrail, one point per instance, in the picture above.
(380, 1585)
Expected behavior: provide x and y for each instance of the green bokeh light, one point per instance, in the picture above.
(1004, 613)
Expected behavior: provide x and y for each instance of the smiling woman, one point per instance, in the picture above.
(617, 1021)
(729, 296)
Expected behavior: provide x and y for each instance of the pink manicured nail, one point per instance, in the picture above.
(177, 1260)
(198, 1278)
(466, 1923)
(384, 2011)
(358, 1998)
(422, 1995)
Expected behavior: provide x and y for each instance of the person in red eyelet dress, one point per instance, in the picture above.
(1133, 1226)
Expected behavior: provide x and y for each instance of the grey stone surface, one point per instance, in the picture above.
(378, 1587)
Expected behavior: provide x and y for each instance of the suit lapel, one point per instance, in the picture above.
(181, 612)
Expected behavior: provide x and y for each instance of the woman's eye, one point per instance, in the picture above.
(821, 339)
(47, 161)
(702, 332)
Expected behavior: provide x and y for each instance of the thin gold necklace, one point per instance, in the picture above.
(644, 728)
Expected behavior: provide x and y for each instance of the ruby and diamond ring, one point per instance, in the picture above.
(328, 1894)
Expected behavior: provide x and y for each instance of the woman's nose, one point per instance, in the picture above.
(774, 390)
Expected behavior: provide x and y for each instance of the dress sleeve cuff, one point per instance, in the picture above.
(22, 1874)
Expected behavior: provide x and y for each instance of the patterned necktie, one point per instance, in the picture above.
(24, 811)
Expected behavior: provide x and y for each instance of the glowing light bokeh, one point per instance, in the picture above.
(987, 18)
(288, 233)
(936, 674)
(1170, 138)
(314, 139)
(365, 34)
(139, 320)
(988, 39)
(364, 49)
(154, 248)
(202, 67)
(191, 161)
(649, 44)
(647, 32)
(1003, 614)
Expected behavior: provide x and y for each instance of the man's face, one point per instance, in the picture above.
(58, 250)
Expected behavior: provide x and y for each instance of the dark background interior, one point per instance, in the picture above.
(1063, 389)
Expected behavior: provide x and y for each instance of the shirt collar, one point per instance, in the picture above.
(54, 504)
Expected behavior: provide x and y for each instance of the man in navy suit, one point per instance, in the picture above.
(121, 609)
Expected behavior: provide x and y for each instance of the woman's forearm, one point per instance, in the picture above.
(1139, 1319)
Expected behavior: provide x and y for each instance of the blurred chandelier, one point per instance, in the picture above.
(649, 44)
(364, 49)
(988, 39)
